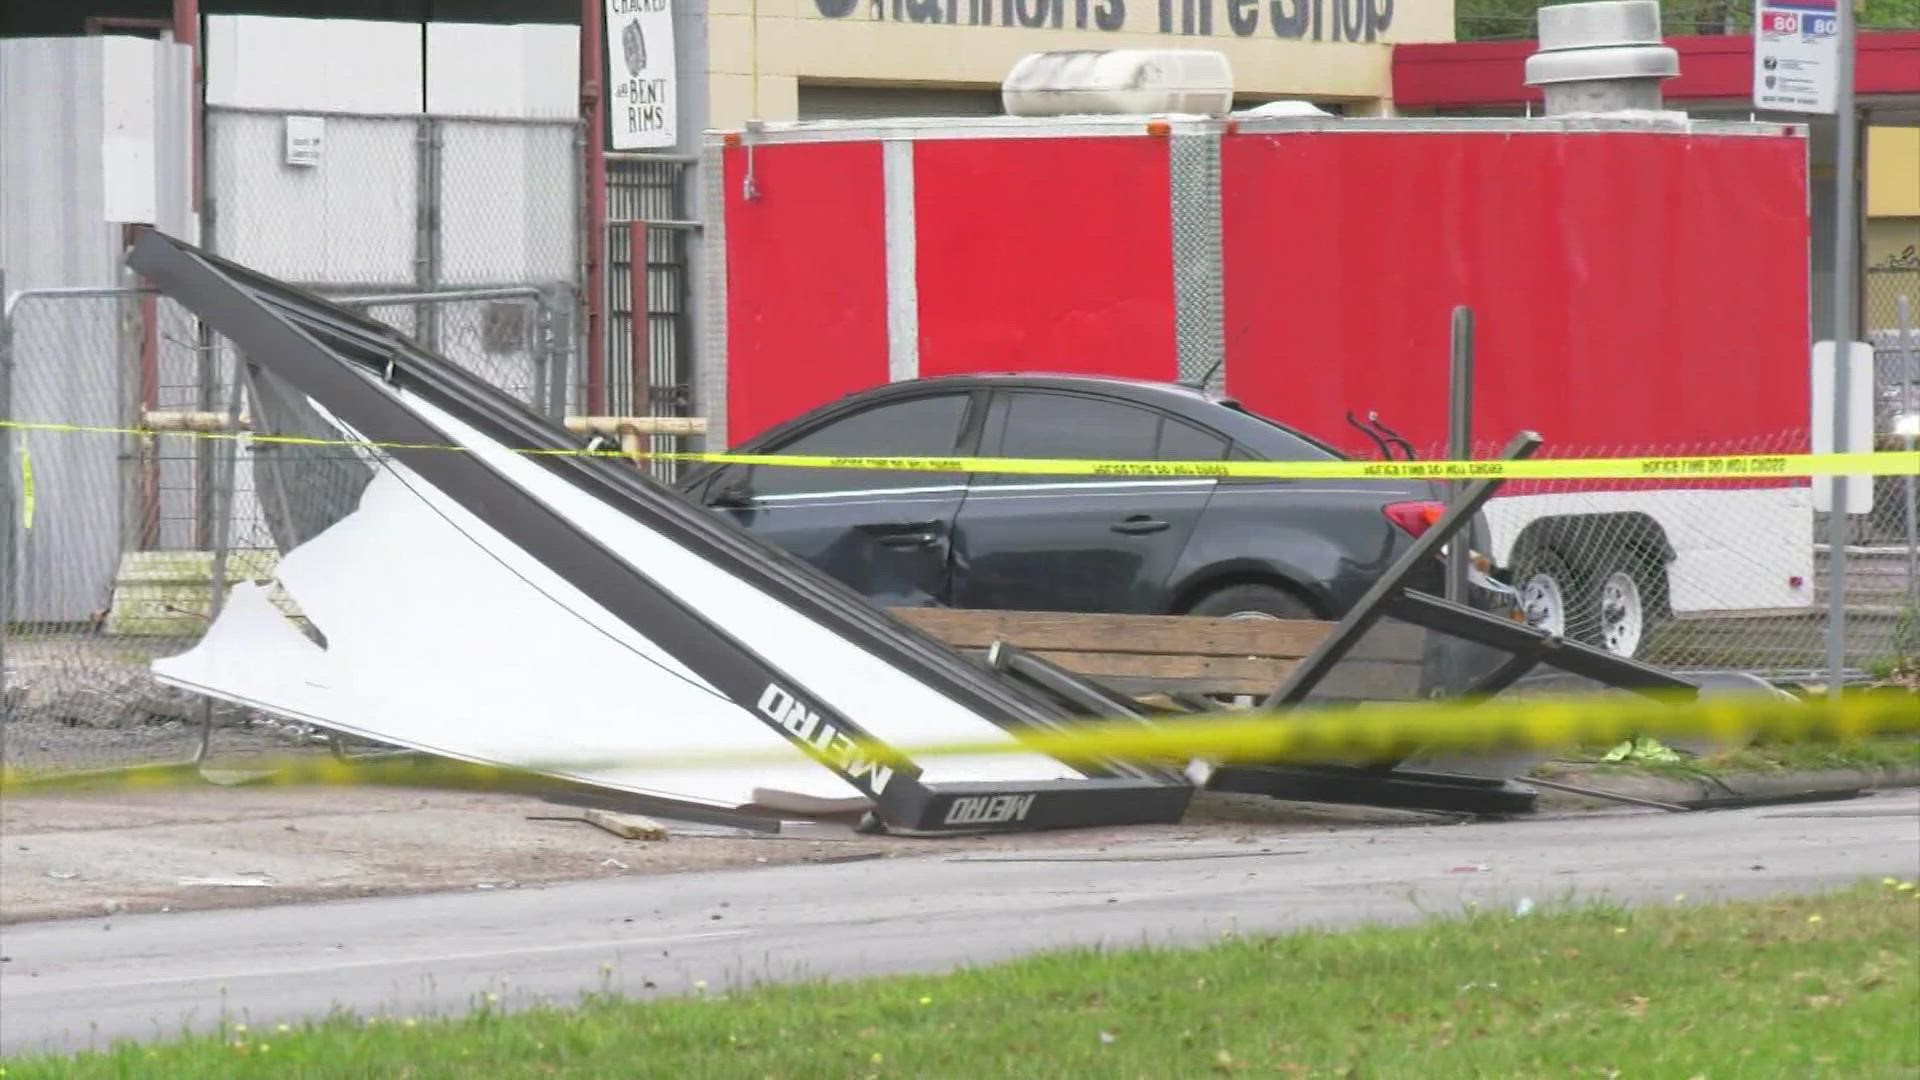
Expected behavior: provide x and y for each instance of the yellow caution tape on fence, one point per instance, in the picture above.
(1703, 467)
(1320, 735)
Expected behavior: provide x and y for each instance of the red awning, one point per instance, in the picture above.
(1716, 67)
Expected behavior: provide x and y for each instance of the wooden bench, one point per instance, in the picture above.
(1148, 655)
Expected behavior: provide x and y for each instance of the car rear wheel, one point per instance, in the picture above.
(1252, 602)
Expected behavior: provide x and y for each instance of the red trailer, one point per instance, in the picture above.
(1640, 285)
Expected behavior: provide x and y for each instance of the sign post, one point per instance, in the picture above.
(1803, 62)
(1845, 263)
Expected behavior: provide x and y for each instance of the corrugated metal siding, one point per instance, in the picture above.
(879, 102)
(70, 355)
(53, 233)
(51, 226)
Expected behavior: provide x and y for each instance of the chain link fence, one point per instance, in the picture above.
(519, 339)
(1890, 318)
(462, 233)
(1884, 560)
(107, 552)
(397, 213)
(1707, 573)
(121, 544)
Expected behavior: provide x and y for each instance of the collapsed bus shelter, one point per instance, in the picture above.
(1441, 649)
(494, 605)
(457, 578)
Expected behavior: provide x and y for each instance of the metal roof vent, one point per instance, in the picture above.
(1193, 82)
(1601, 57)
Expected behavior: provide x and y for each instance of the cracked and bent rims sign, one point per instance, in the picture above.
(641, 96)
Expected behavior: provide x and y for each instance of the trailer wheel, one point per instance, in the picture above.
(1550, 596)
(1629, 596)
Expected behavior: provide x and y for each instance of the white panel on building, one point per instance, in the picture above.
(530, 71)
(52, 226)
(126, 130)
(349, 65)
(95, 133)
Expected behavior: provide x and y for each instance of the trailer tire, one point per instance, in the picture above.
(1551, 597)
(1629, 592)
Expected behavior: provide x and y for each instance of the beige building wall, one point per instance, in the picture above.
(1891, 238)
(760, 51)
(1893, 172)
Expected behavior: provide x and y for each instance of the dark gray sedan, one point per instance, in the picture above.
(1226, 547)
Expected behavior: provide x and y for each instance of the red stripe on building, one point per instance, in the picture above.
(1715, 67)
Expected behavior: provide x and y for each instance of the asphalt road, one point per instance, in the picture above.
(81, 983)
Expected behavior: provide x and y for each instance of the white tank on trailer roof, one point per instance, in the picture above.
(1189, 82)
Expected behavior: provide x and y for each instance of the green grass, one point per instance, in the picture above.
(1823, 986)
(1890, 753)
(1878, 754)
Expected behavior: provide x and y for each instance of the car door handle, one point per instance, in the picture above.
(1140, 525)
(908, 540)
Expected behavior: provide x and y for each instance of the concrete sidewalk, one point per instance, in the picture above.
(88, 854)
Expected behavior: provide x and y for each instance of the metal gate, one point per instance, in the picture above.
(650, 361)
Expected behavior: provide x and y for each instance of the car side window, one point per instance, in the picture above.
(918, 427)
(1181, 441)
(1037, 424)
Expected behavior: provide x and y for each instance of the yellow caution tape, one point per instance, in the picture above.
(26, 485)
(1736, 466)
(1374, 733)
(1704, 467)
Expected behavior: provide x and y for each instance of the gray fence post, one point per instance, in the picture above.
(1846, 264)
(227, 453)
(426, 226)
(554, 348)
(1910, 404)
(7, 575)
(1460, 439)
(129, 383)
(583, 218)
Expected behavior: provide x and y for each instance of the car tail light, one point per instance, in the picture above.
(1415, 518)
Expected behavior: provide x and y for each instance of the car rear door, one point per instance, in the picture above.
(885, 534)
(1077, 543)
